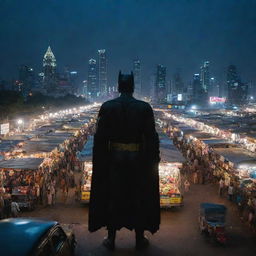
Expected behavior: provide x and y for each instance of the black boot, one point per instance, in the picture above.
(141, 240)
(109, 241)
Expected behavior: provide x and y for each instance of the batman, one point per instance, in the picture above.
(125, 179)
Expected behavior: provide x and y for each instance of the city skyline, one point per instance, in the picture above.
(53, 82)
(184, 41)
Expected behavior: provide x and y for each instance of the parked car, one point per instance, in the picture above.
(25, 201)
(34, 237)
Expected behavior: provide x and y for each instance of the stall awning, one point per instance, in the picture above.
(168, 152)
(86, 153)
(39, 146)
(236, 155)
(201, 135)
(73, 125)
(214, 141)
(8, 145)
(187, 130)
(21, 163)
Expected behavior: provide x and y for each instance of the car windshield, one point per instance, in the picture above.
(20, 198)
(215, 217)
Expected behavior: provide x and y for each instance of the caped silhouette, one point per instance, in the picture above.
(125, 180)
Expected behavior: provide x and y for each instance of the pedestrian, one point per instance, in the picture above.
(63, 185)
(15, 209)
(221, 187)
(49, 197)
(125, 168)
(186, 185)
(37, 193)
(240, 204)
(52, 190)
(7, 206)
(195, 177)
(251, 218)
(254, 203)
(76, 193)
(1, 207)
(230, 192)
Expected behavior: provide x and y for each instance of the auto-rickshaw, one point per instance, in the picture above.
(212, 221)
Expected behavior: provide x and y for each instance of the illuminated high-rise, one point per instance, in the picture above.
(199, 95)
(137, 77)
(237, 91)
(205, 76)
(177, 84)
(49, 70)
(26, 79)
(93, 88)
(160, 90)
(103, 81)
(196, 87)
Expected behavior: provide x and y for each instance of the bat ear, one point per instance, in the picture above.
(119, 76)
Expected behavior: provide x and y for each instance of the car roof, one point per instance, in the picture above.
(213, 208)
(20, 235)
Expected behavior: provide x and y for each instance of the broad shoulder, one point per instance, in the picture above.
(109, 104)
(114, 102)
(143, 104)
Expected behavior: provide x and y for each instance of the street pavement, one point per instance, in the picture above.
(178, 235)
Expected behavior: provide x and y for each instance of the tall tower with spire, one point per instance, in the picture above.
(49, 58)
(49, 70)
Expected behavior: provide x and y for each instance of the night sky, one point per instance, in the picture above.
(176, 33)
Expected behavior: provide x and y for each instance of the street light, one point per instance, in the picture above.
(20, 121)
(20, 125)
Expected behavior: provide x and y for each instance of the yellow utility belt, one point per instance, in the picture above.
(131, 147)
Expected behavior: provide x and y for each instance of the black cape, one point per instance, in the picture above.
(125, 185)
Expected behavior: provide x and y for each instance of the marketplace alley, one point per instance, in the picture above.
(178, 235)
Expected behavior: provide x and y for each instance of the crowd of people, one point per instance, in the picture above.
(206, 166)
(56, 173)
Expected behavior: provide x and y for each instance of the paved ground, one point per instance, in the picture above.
(179, 234)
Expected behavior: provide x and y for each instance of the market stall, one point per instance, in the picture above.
(169, 173)
(85, 159)
(23, 179)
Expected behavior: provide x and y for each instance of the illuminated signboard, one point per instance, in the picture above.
(179, 98)
(217, 100)
(4, 128)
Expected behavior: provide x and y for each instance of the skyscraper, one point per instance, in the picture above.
(213, 90)
(93, 88)
(237, 91)
(199, 95)
(177, 84)
(49, 70)
(26, 79)
(205, 76)
(196, 87)
(160, 90)
(137, 77)
(103, 82)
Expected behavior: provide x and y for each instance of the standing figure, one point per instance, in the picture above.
(125, 180)
(49, 197)
(186, 185)
(230, 192)
(1, 207)
(53, 192)
(7, 206)
(15, 209)
(221, 187)
(195, 177)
